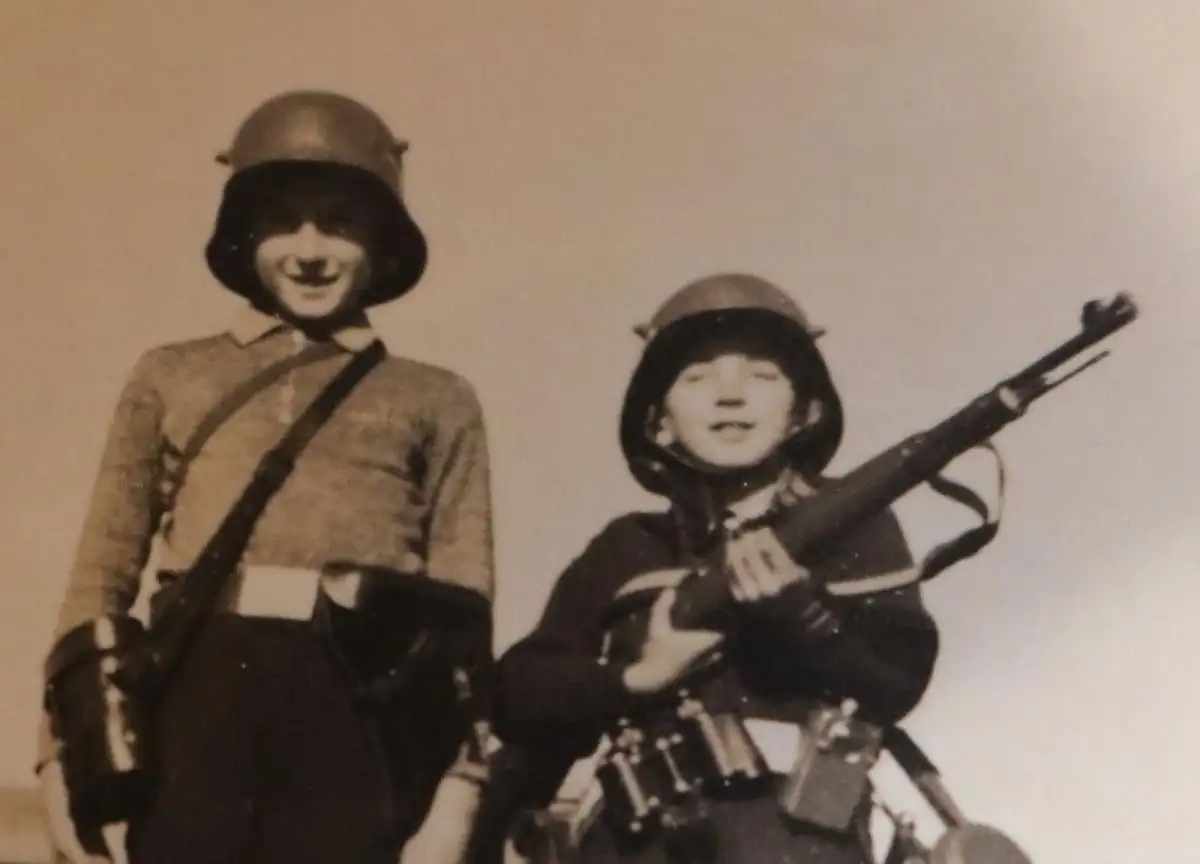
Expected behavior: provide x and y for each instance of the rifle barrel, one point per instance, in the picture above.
(880, 481)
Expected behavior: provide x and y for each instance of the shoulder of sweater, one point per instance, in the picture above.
(614, 554)
(165, 356)
(634, 527)
(422, 370)
(191, 345)
(445, 386)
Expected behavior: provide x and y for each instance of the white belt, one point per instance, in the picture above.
(778, 742)
(289, 592)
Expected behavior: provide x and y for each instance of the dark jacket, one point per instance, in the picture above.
(556, 698)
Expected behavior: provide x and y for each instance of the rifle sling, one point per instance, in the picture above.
(946, 554)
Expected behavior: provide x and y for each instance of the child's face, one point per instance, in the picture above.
(730, 406)
(312, 273)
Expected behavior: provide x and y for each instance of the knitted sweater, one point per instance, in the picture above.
(397, 478)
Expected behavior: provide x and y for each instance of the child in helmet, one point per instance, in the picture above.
(730, 415)
(262, 750)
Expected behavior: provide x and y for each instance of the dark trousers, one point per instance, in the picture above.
(264, 757)
(741, 832)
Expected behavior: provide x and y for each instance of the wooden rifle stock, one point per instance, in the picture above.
(876, 484)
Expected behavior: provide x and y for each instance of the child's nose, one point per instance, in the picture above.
(308, 242)
(731, 389)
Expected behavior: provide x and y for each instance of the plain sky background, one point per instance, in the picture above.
(942, 184)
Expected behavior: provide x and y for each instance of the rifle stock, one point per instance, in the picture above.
(880, 481)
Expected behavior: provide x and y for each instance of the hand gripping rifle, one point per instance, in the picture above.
(876, 484)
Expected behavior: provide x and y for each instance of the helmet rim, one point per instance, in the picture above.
(316, 131)
(650, 463)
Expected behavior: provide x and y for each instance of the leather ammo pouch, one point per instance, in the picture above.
(103, 731)
(831, 778)
(658, 764)
(105, 677)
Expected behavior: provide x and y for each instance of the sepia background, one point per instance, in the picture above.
(942, 184)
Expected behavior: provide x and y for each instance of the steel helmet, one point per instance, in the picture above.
(726, 302)
(973, 843)
(305, 134)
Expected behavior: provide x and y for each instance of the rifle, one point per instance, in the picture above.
(818, 791)
(876, 484)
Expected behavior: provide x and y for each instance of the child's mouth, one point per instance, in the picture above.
(314, 282)
(731, 430)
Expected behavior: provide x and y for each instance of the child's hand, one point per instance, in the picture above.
(444, 836)
(62, 831)
(668, 652)
(761, 567)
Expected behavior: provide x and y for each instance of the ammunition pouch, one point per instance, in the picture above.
(657, 774)
(695, 750)
(827, 787)
(102, 724)
(653, 774)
